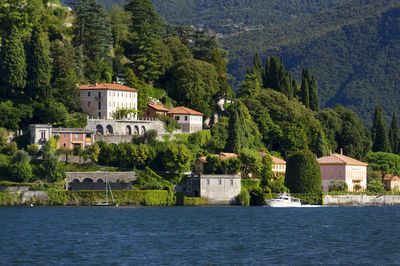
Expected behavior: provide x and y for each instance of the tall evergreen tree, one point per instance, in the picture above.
(13, 66)
(305, 89)
(92, 30)
(38, 67)
(394, 134)
(63, 77)
(321, 148)
(257, 69)
(314, 99)
(379, 133)
(276, 78)
(144, 45)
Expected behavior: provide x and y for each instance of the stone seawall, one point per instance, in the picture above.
(361, 200)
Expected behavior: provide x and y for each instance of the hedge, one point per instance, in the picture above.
(250, 184)
(182, 200)
(87, 198)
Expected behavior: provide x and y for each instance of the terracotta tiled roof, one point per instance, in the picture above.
(222, 156)
(389, 177)
(106, 86)
(227, 155)
(158, 107)
(275, 160)
(340, 159)
(183, 111)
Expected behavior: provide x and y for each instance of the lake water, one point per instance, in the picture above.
(199, 235)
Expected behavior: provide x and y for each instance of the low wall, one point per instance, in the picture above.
(96, 180)
(361, 200)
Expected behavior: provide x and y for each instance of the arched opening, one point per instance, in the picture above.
(99, 129)
(87, 180)
(128, 130)
(143, 130)
(75, 180)
(100, 181)
(136, 130)
(110, 130)
(196, 193)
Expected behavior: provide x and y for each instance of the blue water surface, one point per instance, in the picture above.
(199, 235)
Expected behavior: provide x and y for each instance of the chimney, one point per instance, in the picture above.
(341, 151)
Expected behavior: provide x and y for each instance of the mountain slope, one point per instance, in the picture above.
(353, 50)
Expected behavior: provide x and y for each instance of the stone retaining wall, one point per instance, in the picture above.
(361, 200)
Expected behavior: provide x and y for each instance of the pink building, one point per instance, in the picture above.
(338, 167)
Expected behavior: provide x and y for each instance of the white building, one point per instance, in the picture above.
(190, 120)
(103, 100)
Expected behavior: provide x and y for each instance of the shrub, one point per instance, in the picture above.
(257, 197)
(338, 186)
(32, 149)
(244, 198)
(303, 174)
(170, 124)
(250, 184)
(20, 171)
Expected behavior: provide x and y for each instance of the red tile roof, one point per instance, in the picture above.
(221, 155)
(340, 159)
(389, 177)
(183, 111)
(275, 160)
(158, 107)
(106, 86)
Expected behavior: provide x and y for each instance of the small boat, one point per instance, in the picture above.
(106, 203)
(284, 200)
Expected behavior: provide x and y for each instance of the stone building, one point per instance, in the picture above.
(338, 167)
(105, 99)
(68, 138)
(190, 120)
(218, 189)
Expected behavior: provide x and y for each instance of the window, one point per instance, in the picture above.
(148, 112)
(88, 94)
(64, 144)
(99, 105)
(77, 136)
(65, 135)
(99, 114)
(208, 181)
(231, 182)
(185, 117)
(43, 134)
(88, 104)
(177, 118)
(220, 182)
(99, 94)
(114, 94)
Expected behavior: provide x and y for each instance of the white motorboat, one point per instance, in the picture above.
(284, 200)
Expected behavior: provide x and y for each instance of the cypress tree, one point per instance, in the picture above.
(314, 100)
(276, 78)
(304, 89)
(257, 69)
(380, 137)
(13, 67)
(394, 134)
(38, 66)
(233, 143)
(321, 148)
